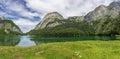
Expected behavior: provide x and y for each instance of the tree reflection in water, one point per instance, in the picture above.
(9, 40)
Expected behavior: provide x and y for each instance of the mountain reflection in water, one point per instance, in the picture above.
(7, 40)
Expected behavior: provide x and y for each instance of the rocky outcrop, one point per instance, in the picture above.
(114, 6)
(8, 27)
(76, 18)
(98, 13)
(113, 10)
(2, 18)
(50, 20)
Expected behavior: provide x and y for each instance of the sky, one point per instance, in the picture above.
(28, 13)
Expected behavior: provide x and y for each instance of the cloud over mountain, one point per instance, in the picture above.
(27, 13)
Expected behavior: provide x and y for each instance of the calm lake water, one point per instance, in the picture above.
(35, 40)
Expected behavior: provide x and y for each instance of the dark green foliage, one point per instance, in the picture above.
(9, 40)
(2, 32)
(68, 28)
(108, 26)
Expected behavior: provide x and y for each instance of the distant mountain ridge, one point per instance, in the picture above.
(8, 27)
(113, 10)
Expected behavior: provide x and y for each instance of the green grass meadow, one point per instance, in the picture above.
(64, 50)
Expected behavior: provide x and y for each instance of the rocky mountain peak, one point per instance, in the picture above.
(50, 20)
(102, 11)
(98, 13)
(115, 5)
(101, 7)
(53, 15)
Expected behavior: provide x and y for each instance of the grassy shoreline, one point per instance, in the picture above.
(64, 50)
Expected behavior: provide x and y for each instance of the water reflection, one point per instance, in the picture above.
(34, 40)
(25, 41)
(39, 39)
(7, 40)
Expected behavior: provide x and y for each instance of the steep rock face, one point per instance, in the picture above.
(98, 13)
(50, 20)
(115, 6)
(7, 26)
(76, 18)
(102, 11)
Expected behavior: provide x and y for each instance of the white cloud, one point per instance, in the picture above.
(15, 6)
(65, 7)
(25, 24)
(2, 13)
(23, 12)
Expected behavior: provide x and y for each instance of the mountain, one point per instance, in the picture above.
(50, 20)
(113, 10)
(54, 18)
(53, 24)
(115, 6)
(8, 27)
(98, 13)
(104, 20)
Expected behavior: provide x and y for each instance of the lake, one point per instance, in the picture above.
(26, 40)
